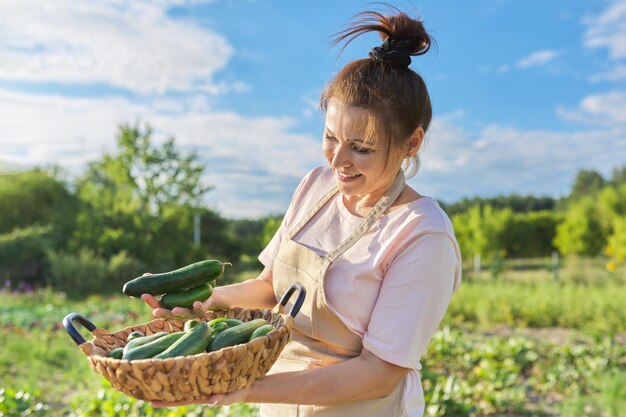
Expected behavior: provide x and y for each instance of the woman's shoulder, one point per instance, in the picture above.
(427, 216)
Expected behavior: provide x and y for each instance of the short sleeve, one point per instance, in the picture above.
(415, 293)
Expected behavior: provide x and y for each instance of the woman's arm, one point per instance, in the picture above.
(253, 293)
(362, 378)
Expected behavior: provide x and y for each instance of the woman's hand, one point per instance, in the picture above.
(199, 308)
(216, 399)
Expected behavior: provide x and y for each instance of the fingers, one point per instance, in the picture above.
(150, 300)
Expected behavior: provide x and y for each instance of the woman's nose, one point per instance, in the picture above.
(340, 157)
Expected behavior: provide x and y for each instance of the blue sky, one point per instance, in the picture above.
(525, 94)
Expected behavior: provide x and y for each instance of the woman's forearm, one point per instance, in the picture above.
(253, 293)
(362, 378)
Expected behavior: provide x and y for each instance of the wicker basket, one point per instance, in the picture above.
(187, 378)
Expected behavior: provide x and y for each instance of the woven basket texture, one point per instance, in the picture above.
(186, 378)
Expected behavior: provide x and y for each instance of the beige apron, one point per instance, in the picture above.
(319, 337)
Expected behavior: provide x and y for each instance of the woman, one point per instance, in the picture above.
(379, 261)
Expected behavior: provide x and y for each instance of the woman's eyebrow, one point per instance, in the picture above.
(353, 140)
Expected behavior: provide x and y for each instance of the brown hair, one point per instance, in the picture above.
(395, 95)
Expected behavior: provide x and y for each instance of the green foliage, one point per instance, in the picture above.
(142, 200)
(596, 308)
(469, 375)
(587, 182)
(517, 203)
(35, 198)
(88, 273)
(111, 403)
(581, 233)
(25, 245)
(269, 230)
(19, 403)
(480, 231)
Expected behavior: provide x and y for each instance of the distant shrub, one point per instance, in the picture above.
(87, 273)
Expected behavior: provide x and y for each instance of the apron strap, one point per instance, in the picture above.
(311, 213)
(381, 206)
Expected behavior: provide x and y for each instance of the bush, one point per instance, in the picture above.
(24, 245)
(86, 273)
(23, 253)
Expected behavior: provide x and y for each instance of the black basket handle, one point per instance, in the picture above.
(68, 323)
(301, 295)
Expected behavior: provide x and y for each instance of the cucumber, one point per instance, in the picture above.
(186, 298)
(153, 348)
(235, 335)
(218, 328)
(180, 279)
(261, 331)
(134, 335)
(190, 324)
(215, 330)
(116, 353)
(229, 321)
(139, 341)
(194, 341)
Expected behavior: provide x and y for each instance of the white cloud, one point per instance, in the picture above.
(537, 58)
(504, 160)
(253, 163)
(128, 44)
(607, 109)
(608, 30)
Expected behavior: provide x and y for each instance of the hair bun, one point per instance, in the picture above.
(396, 52)
(402, 35)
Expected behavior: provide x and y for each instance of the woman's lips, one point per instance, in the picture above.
(347, 177)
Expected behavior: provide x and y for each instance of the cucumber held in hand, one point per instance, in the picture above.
(181, 279)
(186, 298)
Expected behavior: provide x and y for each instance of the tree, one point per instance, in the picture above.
(36, 198)
(587, 182)
(581, 232)
(481, 231)
(141, 199)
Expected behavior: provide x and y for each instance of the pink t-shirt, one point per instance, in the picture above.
(393, 286)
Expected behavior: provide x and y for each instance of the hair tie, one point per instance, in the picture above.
(394, 52)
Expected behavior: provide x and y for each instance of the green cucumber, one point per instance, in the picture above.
(153, 348)
(186, 298)
(193, 342)
(261, 331)
(235, 335)
(134, 335)
(218, 328)
(215, 330)
(229, 321)
(190, 324)
(180, 279)
(139, 341)
(116, 353)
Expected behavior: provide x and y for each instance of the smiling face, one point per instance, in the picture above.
(362, 168)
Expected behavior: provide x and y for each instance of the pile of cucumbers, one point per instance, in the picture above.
(181, 287)
(196, 337)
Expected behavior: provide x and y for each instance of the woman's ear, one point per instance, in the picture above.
(415, 142)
